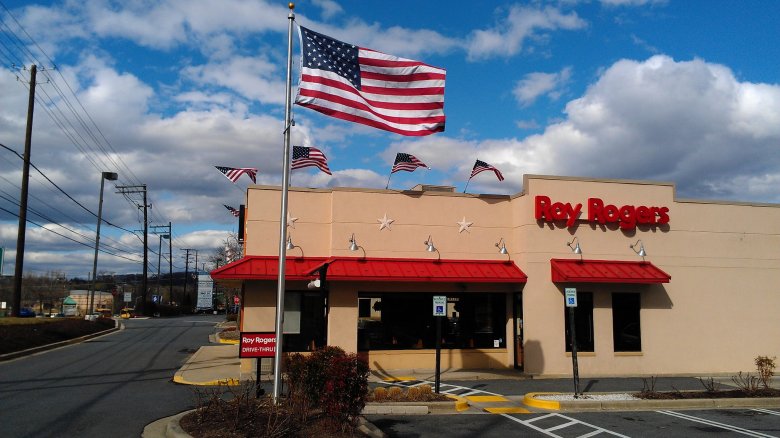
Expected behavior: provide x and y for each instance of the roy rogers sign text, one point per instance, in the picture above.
(626, 216)
(255, 344)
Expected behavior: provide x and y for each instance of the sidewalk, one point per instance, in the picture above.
(211, 365)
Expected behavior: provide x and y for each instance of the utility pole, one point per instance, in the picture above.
(125, 190)
(17, 298)
(186, 269)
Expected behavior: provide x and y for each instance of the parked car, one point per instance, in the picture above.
(26, 312)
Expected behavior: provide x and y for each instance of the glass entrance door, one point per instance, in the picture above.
(518, 335)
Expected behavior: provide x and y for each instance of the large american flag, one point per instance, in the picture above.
(407, 162)
(232, 210)
(306, 157)
(481, 166)
(233, 173)
(369, 87)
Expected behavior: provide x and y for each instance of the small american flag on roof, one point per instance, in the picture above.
(232, 210)
(234, 173)
(307, 157)
(407, 162)
(481, 166)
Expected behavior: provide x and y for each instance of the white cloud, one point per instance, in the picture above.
(533, 85)
(253, 78)
(508, 36)
(329, 8)
(689, 122)
(632, 2)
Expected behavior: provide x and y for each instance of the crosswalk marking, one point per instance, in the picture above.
(568, 422)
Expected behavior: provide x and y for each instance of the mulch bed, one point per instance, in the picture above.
(17, 337)
(685, 395)
(223, 420)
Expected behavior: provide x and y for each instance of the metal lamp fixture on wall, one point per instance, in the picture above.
(576, 248)
(641, 252)
(431, 248)
(501, 245)
(290, 245)
(353, 246)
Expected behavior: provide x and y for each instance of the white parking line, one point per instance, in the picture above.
(716, 424)
(569, 422)
(767, 411)
(442, 386)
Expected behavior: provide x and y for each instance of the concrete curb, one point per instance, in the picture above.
(647, 405)
(178, 378)
(531, 400)
(457, 404)
(167, 427)
(29, 351)
(225, 341)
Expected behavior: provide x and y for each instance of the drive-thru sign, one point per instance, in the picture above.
(257, 345)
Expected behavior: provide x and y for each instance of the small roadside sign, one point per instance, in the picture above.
(128, 297)
(571, 296)
(257, 344)
(439, 305)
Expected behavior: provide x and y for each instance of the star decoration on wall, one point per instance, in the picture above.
(464, 226)
(291, 220)
(385, 223)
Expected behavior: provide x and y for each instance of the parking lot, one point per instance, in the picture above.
(511, 417)
(662, 423)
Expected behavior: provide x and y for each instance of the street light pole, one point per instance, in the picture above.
(111, 176)
(159, 255)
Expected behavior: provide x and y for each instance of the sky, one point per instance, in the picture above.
(160, 92)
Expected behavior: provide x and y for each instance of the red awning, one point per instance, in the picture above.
(267, 268)
(423, 270)
(606, 271)
(375, 269)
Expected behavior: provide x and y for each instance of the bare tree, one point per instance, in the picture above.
(228, 252)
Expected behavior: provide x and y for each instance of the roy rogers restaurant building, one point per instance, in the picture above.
(704, 299)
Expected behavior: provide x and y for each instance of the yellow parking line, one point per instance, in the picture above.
(485, 398)
(398, 379)
(507, 410)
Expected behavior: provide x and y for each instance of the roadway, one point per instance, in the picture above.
(112, 385)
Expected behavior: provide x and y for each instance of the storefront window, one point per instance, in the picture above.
(625, 322)
(304, 321)
(583, 322)
(405, 321)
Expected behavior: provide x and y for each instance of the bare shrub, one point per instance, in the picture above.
(766, 369)
(425, 390)
(236, 410)
(648, 385)
(709, 384)
(746, 383)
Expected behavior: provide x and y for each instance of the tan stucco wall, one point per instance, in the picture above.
(718, 312)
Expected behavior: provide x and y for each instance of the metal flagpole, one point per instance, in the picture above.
(283, 213)
(388, 180)
(467, 185)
